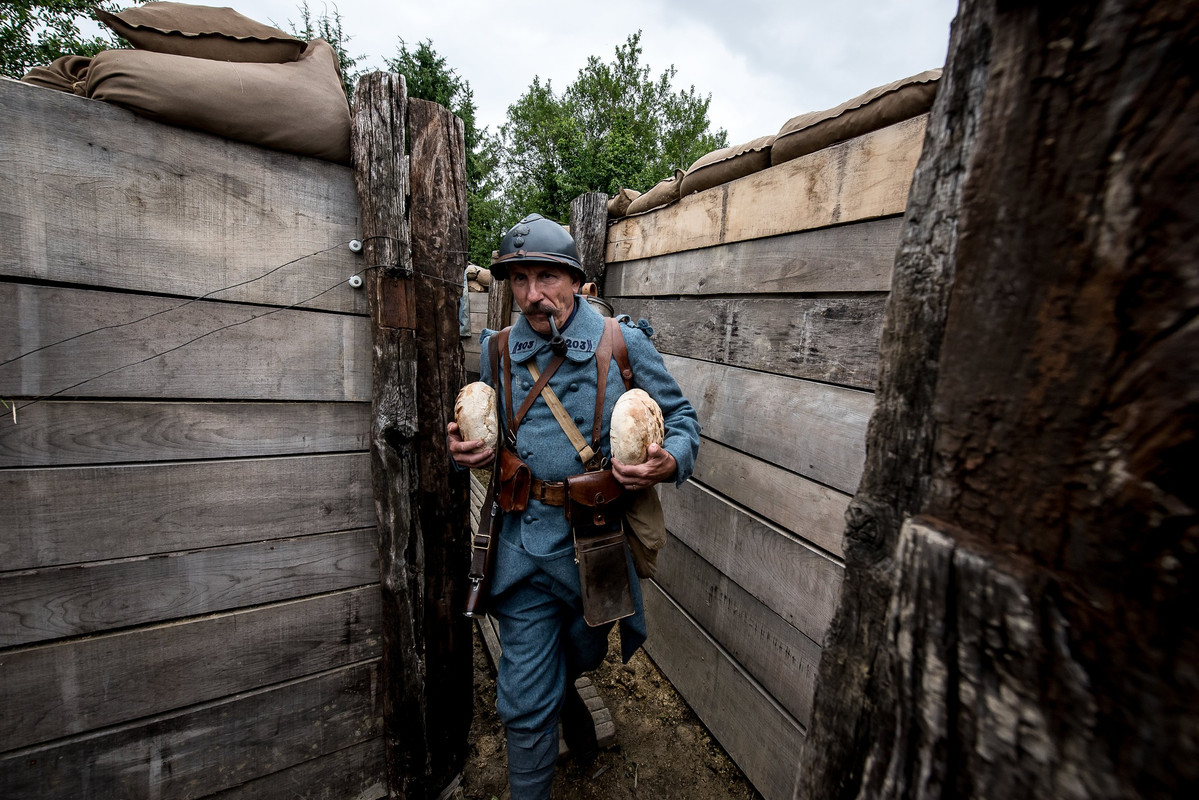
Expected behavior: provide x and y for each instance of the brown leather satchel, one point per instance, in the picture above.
(594, 505)
(604, 577)
(594, 500)
(515, 481)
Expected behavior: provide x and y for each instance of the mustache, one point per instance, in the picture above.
(543, 308)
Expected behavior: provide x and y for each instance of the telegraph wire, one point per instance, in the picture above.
(15, 408)
(172, 308)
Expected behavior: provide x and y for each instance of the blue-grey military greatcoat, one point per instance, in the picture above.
(535, 593)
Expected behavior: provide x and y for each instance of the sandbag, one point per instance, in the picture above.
(727, 164)
(220, 34)
(66, 74)
(877, 108)
(298, 107)
(618, 205)
(661, 193)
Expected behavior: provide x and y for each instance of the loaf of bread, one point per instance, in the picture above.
(474, 411)
(636, 423)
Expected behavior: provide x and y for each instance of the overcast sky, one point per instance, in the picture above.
(762, 62)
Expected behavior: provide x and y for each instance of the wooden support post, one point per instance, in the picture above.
(499, 304)
(589, 227)
(1018, 606)
(421, 554)
(439, 250)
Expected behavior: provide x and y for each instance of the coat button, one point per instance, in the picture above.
(526, 385)
(526, 453)
(574, 387)
(579, 419)
(529, 519)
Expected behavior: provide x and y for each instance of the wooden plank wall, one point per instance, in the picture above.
(767, 296)
(189, 600)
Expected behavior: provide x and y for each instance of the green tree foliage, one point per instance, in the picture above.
(327, 26)
(35, 32)
(615, 126)
(429, 77)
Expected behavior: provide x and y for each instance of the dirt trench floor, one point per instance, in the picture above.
(662, 750)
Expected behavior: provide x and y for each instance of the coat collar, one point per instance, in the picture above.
(582, 336)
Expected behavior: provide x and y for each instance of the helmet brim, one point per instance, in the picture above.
(499, 266)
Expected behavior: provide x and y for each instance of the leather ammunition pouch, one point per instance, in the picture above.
(594, 500)
(594, 506)
(514, 483)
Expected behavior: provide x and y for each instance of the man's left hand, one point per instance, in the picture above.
(659, 466)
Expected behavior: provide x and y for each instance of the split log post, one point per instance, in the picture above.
(439, 255)
(1017, 617)
(421, 552)
(499, 305)
(589, 227)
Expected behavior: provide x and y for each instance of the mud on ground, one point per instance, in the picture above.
(662, 750)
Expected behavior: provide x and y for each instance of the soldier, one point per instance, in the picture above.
(536, 593)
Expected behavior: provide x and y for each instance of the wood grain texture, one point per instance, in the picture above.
(436, 678)
(99, 196)
(500, 308)
(206, 748)
(813, 429)
(60, 433)
(755, 731)
(71, 687)
(356, 772)
(859, 179)
(831, 339)
(856, 257)
(589, 228)
(807, 509)
(79, 514)
(225, 351)
(54, 602)
(775, 653)
(798, 583)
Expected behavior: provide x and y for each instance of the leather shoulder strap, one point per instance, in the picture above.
(543, 380)
(499, 345)
(620, 351)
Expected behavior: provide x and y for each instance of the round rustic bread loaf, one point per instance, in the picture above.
(636, 422)
(474, 411)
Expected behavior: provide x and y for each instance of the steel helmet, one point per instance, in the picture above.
(536, 239)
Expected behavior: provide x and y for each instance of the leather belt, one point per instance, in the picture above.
(552, 493)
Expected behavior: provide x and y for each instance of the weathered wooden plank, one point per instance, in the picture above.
(54, 433)
(859, 179)
(776, 654)
(87, 598)
(798, 583)
(807, 509)
(827, 338)
(77, 514)
(205, 748)
(431, 673)
(478, 303)
(97, 195)
(856, 257)
(356, 772)
(589, 228)
(813, 429)
(758, 734)
(245, 353)
(72, 687)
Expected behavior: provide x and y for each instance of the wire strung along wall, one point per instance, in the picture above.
(189, 580)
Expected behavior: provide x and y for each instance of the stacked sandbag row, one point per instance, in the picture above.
(217, 71)
(806, 133)
(478, 279)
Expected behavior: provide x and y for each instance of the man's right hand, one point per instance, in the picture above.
(471, 454)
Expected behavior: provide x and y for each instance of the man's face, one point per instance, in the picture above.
(542, 290)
